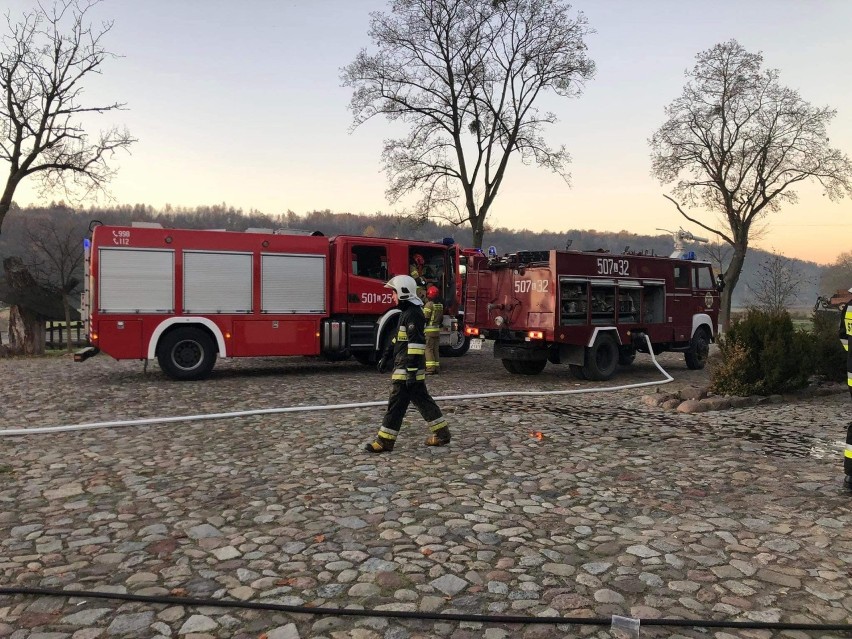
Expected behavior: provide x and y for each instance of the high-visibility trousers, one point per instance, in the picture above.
(400, 398)
(433, 356)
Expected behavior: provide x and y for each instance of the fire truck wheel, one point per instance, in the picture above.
(186, 353)
(626, 355)
(509, 365)
(530, 366)
(460, 344)
(365, 358)
(601, 358)
(699, 349)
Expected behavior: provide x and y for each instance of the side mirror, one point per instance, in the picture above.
(720, 282)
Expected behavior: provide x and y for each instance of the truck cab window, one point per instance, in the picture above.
(703, 278)
(370, 261)
(682, 275)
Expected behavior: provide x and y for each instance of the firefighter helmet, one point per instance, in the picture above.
(406, 289)
(432, 292)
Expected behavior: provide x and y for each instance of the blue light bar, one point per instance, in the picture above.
(86, 243)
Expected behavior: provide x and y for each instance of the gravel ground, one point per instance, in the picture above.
(587, 505)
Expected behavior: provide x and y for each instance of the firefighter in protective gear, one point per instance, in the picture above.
(433, 311)
(845, 339)
(407, 351)
(418, 264)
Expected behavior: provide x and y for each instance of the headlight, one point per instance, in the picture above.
(499, 320)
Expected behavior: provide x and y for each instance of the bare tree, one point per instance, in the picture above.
(56, 249)
(465, 75)
(45, 57)
(718, 253)
(837, 276)
(777, 285)
(736, 142)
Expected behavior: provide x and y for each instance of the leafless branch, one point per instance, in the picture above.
(465, 76)
(45, 57)
(736, 144)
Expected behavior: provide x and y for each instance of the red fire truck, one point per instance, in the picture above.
(184, 297)
(590, 310)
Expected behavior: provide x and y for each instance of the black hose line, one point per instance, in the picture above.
(436, 616)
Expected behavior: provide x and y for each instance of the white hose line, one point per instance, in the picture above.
(299, 409)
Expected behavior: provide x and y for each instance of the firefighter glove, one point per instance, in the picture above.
(383, 365)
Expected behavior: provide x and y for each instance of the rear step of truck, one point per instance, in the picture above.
(85, 353)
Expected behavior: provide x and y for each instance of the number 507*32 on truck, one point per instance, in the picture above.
(590, 310)
(187, 297)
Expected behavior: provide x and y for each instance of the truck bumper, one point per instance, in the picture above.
(85, 353)
(522, 352)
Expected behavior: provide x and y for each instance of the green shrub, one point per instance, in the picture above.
(829, 356)
(763, 354)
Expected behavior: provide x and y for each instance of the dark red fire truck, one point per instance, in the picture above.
(590, 309)
(185, 297)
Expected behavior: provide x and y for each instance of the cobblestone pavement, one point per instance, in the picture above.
(616, 509)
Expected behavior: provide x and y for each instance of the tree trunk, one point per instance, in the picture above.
(26, 326)
(6, 197)
(26, 332)
(477, 227)
(732, 276)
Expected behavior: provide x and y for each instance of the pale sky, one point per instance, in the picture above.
(240, 102)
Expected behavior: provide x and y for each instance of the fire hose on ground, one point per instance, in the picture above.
(43, 430)
(626, 625)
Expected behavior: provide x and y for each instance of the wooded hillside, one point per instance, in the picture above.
(14, 240)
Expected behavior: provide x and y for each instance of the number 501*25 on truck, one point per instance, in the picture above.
(187, 297)
(590, 309)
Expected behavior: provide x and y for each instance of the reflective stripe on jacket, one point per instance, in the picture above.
(845, 336)
(846, 326)
(434, 314)
(409, 349)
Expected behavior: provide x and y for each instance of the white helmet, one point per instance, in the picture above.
(406, 289)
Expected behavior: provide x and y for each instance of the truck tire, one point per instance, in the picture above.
(699, 349)
(509, 365)
(367, 358)
(186, 353)
(459, 345)
(371, 358)
(530, 366)
(601, 358)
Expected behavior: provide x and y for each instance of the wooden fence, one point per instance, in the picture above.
(55, 334)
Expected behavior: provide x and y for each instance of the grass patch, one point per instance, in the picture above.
(803, 324)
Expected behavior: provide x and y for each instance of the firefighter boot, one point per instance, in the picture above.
(440, 437)
(847, 482)
(381, 444)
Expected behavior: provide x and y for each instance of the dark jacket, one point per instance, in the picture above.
(845, 337)
(409, 344)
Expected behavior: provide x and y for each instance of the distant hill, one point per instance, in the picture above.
(13, 239)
